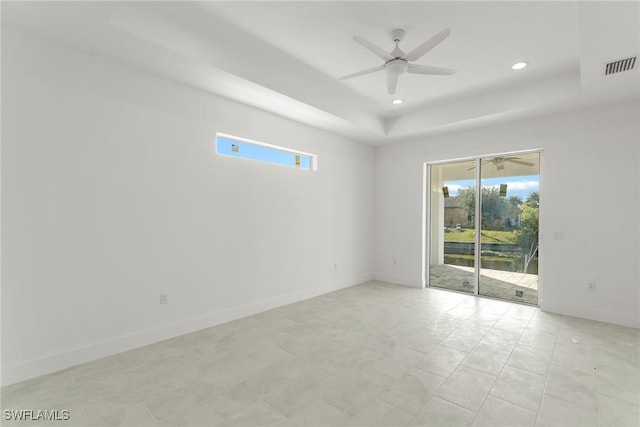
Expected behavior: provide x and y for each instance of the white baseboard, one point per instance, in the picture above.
(592, 314)
(34, 368)
(406, 281)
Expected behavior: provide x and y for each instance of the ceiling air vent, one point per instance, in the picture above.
(620, 65)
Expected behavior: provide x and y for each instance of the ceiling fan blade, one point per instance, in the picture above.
(392, 82)
(482, 163)
(373, 48)
(426, 69)
(428, 45)
(520, 162)
(361, 73)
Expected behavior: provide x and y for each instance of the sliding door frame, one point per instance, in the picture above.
(477, 223)
(426, 233)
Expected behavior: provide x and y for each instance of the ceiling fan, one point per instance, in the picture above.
(499, 162)
(397, 62)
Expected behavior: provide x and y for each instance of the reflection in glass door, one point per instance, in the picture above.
(503, 225)
(452, 226)
(509, 227)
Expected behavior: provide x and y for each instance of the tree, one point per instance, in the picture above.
(467, 200)
(493, 206)
(514, 201)
(527, 236)
(533, 199)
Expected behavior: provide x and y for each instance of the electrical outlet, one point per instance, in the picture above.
(558, 235)
(591, 286)
(164, 298)
(395, 261)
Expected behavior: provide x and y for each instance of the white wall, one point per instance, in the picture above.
(589, 190)
(112, 193)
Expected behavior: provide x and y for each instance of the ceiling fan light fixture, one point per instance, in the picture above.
(519, 65)
(396, 66)
(397, 101)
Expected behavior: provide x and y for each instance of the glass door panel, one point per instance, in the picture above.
(452, 188)
(509, 227)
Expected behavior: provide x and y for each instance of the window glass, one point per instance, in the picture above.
(267, 153)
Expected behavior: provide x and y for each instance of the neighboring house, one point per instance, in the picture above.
(513, 220)
(453, 213)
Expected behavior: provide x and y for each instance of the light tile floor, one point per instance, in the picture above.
(373, 354)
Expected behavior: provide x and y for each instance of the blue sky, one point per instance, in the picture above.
(260, 152)
(516, 185)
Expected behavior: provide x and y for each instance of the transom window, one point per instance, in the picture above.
(246, 149)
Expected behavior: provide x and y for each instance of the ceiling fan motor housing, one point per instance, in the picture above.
(397, 35)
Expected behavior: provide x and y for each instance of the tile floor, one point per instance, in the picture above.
(374, 354)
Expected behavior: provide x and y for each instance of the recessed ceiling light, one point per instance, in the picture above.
(519, 65)
(397, 101)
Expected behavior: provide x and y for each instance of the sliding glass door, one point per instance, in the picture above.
(452, 254)
(483, 226)
(509, 227)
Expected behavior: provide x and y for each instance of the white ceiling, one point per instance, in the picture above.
(286, 57)
(320, 34)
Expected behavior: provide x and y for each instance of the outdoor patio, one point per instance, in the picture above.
(493, 283)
